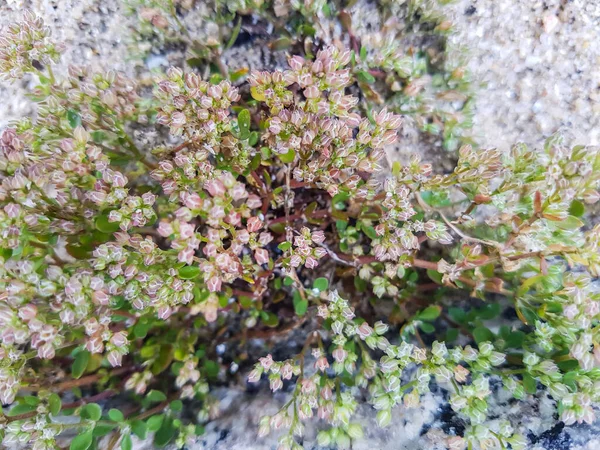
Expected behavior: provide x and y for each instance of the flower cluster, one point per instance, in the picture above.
(26, 46)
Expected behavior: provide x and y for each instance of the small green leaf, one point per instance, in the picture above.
(211, 368)
(176, 405)
(426, 327)
(80, 363)
(287, 281)
(116, 415)
(91, 411)
(20, 409)
(482, 334)
(365, 77)
(165, 433)
(430, 313)
(103, 225)
(288, 157)
(54, 404)
(189, 272)
(300, 304)
(252, 141)
(269, 319)
(529, 383)
(321, 284)
(435, 276)
(234, 34)
(577, 208)
(83, 441)
(284, 246)
(126, 443)
(370, 232)
(156, 396)
(74, 118)
(155, 422)
(139, 428)
(451, 334)
(489, 311)
(570, 223)
(244, 123)
(363, 53)
(102, 429)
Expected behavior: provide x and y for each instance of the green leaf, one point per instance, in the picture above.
(155, 422)
(577, 208)
(31, 400)
(451, 334)
(341, 225)
(139, 428)
(234, 34)
(365, 77)
(91, 411)
(570, 223)
(189, 272)
(482, 334)
(321, 284)
(126, 443)
(430, 313)
(244, 123)
(529, 383)
(21, 408)
(427, 327)
(370, 232)
(165, 433)
(211, 368)
(176, 405)
(252, 141)
(80, 363)
(489, 311)
(435, 276)
(54, 404)
(287, 281)
(156, 396)
(300, 305)
(269, 319)
(515, 339)
(103, 225)
(83, 441)
(102, 429)
(288, 157)
(116, 415)
(457, 314)
(74, 118)
(284, 246)
(363, 53)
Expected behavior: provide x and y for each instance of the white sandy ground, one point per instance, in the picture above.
(538, 63)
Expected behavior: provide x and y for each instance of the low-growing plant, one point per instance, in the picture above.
(265, 209)
(403, 60)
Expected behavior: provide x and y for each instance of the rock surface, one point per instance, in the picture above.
(539, 66)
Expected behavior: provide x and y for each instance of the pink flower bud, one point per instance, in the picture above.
(254, 224)
(46, 351)
(214, 284)
(119, 339)
(254, 376)
(339, 354)
(215, 188)
(266, 362)
(262, 256)
(364, 330)
(115, 358)
(164, 312)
